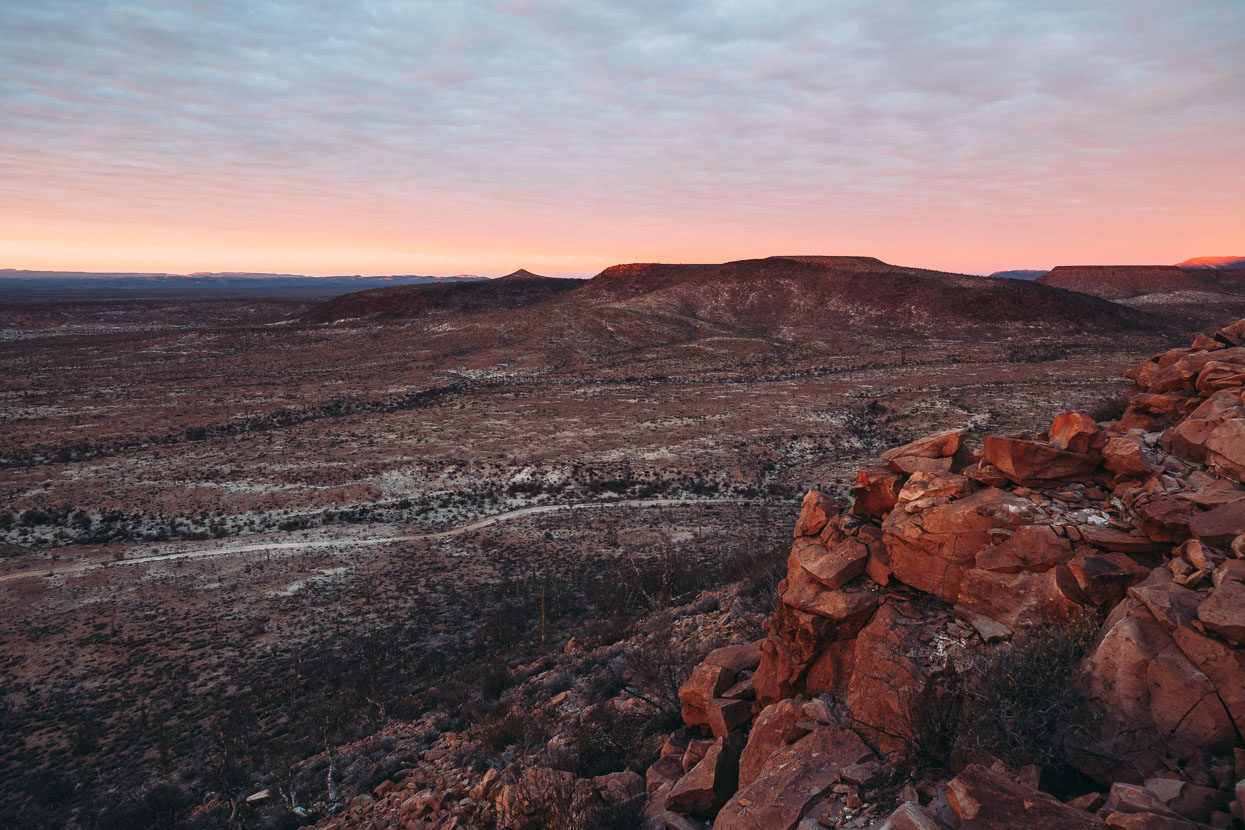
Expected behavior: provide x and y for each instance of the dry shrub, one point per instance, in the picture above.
(1021, 699)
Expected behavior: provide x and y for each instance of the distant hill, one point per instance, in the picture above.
(1119, 282)
(516, 290)
(1221, 263)
(1018, 275)
(760, 309)
(790, 292)
(26, 283)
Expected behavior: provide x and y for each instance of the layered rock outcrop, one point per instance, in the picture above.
(1137, 524)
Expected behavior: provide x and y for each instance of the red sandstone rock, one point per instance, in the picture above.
(1218, 527)
(911, 816)
(1124, 455)
(935, 485)
(876, 491)
(1132, 798)
(887, 680)
(1019, 600)
(697, 693)
(725, 715)
(1115, 539)
(843, 610)
(703, 790)
(775, 727)
(1223, 612)
(743, 657)
(1074, 431)
(938, 445)
(792, 780)
(1104, 577)
(816, 509)
(1187, 439)
(836, 567)
(1233, 335)
(1216, 375)
(1027, 462)
(831, 671)
(1029, 548)
(983, 799)
(1147, 686)
(1166, 519)
(930, 549)
(1225, 449)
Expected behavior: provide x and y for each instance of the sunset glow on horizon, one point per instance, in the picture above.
(564, 137)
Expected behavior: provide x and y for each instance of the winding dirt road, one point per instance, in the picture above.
(468, 527)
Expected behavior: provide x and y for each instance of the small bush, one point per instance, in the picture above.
(1108, 407)
(1020, 699)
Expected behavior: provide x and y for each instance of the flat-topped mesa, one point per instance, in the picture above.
(945, 549)
(1118, 282)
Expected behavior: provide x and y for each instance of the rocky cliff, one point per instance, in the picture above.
(1086, 584)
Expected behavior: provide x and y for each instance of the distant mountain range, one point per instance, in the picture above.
(15, 282)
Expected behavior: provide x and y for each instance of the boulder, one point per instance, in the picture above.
(1217, 375)
(1025, 461)
(816, 509)
(939, 445)
(793, 780)
(1124, 455)
(740, 658)
(831, 671)
(930, 548)
(888, 679)
(987, 629)
(834, 567)
(1074, 432)
(876, 492)
(619, 788)
(1104, 577)
(1232, 335)
(666, 770)
(1024, 599)
(1146, 685)
(776, 726)
(1190, 801)
(724, 715)
(1122, 541)
(1187, 439)
(1132, 798)
(705, 683)
(935, 485)
(1223, 612)
(984, 799)
(1029, 548)
(1219, 526)
(1225, 449)
(707, 786)
(1148, 821)
(911, 816)
(842, 611)
(1166, 519)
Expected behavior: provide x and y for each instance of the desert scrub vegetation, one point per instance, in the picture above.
(1022, 701)
(1019, 701)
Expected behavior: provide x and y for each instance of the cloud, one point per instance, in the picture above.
(621, 110)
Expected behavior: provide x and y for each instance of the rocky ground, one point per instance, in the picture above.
(240, 555)
(1041, 631)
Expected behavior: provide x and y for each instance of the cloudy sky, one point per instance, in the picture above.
(446, 136)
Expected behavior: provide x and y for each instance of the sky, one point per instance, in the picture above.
(440, 137)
